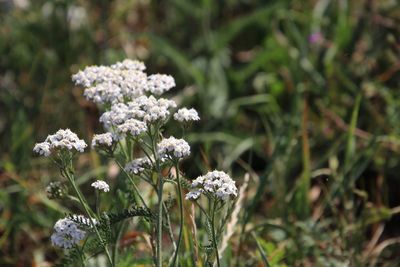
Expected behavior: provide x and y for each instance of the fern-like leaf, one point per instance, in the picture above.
(69, 259)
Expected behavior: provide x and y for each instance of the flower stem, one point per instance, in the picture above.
(88, 213)
(214, 239)
(160, 218)
(154, 140)
(81, 256)
(180, 214)
(116, 245)
(136, 189)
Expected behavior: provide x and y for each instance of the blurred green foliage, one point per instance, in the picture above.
(303, 95)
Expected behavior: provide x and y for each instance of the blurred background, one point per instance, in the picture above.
(304, 95)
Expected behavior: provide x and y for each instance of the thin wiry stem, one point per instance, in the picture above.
(133, 183)
(81, 256)
(180, 214)
(214, 239)
(89, 214)
(116, 245)
(171, 234)
(159, 194)
(159, 224)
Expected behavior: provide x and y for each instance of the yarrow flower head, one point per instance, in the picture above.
(96, 74)
(129, 64)
(157, 84)
(118, 113)
(66, 233)
(101, 185)
(138, 165)
(110, 84)
(174, 148)
(147, 109)
(62, 139)
(216, 183)
(42, 149)
(150, 109)
(186, 115)
(102, 140)
(133, 127)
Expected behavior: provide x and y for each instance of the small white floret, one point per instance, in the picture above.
(160, 83)
(42, 149)
(67, 234)
(217, 183)
(133, 127)
(105, 139)
(62, 139)
(101, 185)
(137, 166)
(186, 115)
(172, 147)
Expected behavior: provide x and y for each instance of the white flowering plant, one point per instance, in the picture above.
(134, 117)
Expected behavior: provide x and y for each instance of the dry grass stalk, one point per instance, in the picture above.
(231, 226)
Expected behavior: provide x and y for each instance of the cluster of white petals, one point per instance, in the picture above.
(92, 75)
(217, 183)
(62, 139)
(186, 115)
(145, 108)
(105, 139)
(126, 84)
(173, 147)
(137, 166)
(42, 149)
(118, 113)
(133, 127)
(121, 81)
(129, 64)
(101, 185)
(157, 84)
(66, 233)
(155, 109)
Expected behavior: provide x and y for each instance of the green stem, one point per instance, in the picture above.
(154, 140)
(180, 214)
(159, 224)
(168, 221)
(97, 203)
(89, 214)
(214, 239)
(81, 256)
(136, 194)
(116, 245)
(133, 184)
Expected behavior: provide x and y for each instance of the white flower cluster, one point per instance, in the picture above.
(216, 182)
(101, 185)
(186, 115)
(120, 81)
(155, 109)
(137, 166)
(133, 127)
(129, 64)
(144, 108)
(66, 233)
(160, 83)
(175, 148)
(62, 139)
(105, 139)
